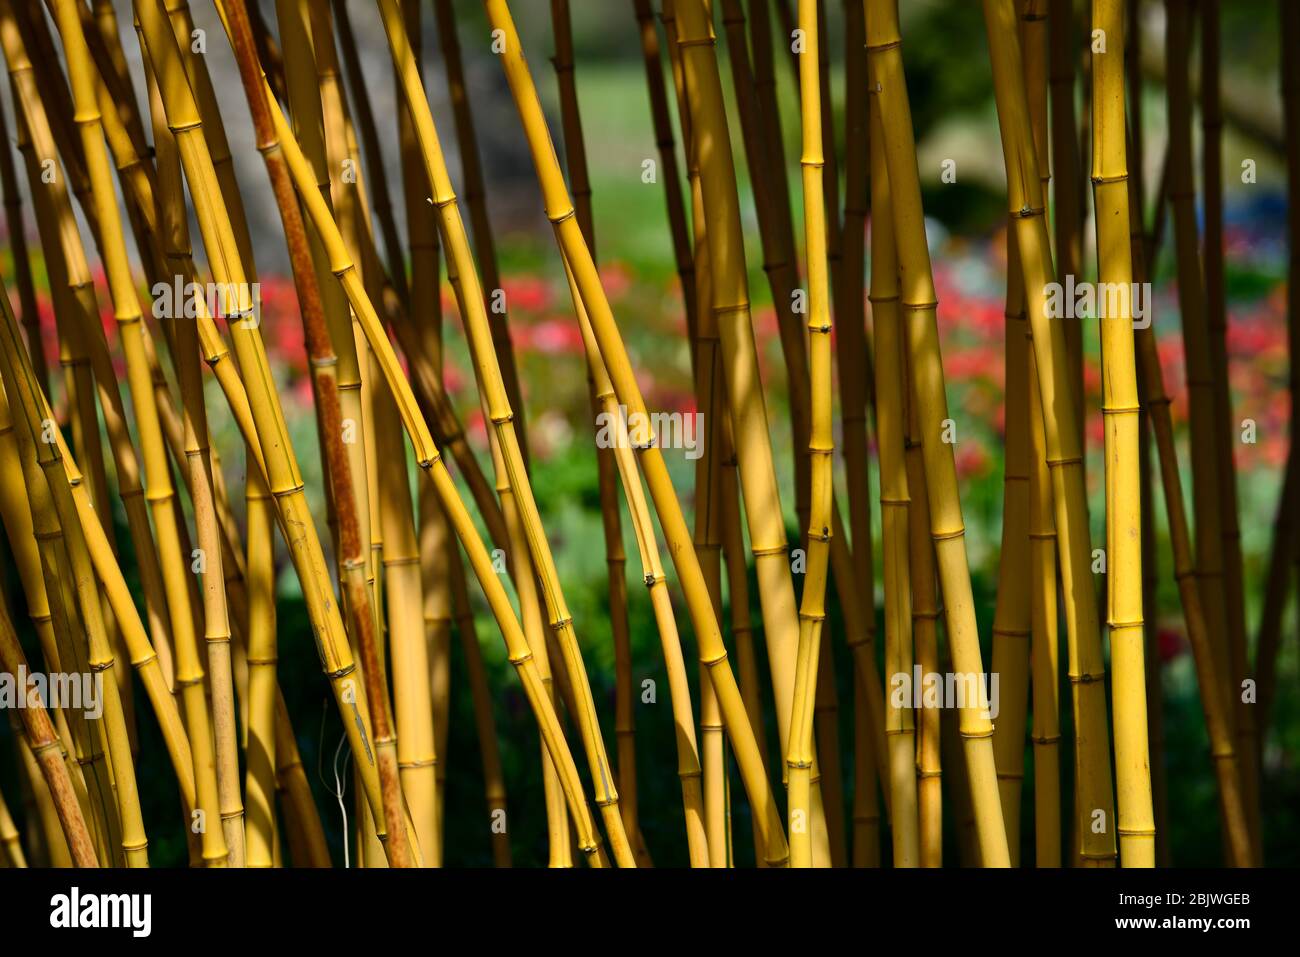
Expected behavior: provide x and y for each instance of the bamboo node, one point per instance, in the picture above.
(760, 551)
(341, 672)
(1087, 678)
(1121, 410)
(1116, 178)
(558, 218)
(1062, 462)
(1012, 632)
(1045, 738)
(1027, 212)
(290, 490)
(1136, 623)
(921, 306)
(418, 763)
(945, 536)
(882, 47)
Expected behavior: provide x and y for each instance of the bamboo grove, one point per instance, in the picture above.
(143, 555)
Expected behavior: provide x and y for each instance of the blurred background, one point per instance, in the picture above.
(952, 104)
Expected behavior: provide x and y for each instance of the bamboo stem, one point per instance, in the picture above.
(712, 651)
(917, 302)
(1136, 822)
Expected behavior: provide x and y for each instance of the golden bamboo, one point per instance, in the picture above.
(498, 411)
(428, 457)
(24, 393)
(712, 652)
(41, 739)
(1060, 414)
(575, 153)
(917, 302)
(1136, 823)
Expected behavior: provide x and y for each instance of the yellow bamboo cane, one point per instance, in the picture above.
(1012, 618)
(175, 236)
(429, 458)
(158, 486)
(475, 195)
(43, 743)
(1136, 824)
(1087, 673)
(925, 639)
(518, 561)
(891, 432)
(13, 204)
(812, 612)
(607, 468)
(24, 394)
(499, 412)
(712, 652)
(710, 505)
(70, 276)
(918, 304)
(48, 846)
(730, 301)
(11, 846)
(265, 411)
